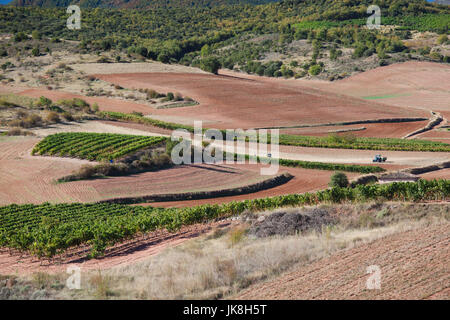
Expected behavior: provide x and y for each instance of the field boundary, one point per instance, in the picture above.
(435, 121)
(349, 123)
(251, 188)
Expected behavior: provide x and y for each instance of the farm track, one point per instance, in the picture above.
(414, 265)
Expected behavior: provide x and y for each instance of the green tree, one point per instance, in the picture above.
(36, 35)
(35, 52)
(314, 70)
(338, 179)
(205, 51)
(211, 64)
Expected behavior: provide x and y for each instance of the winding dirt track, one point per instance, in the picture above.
(414, 265)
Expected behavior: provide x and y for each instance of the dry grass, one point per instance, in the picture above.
(223, 263)
(226, 261)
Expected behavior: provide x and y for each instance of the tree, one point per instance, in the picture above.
(315, 70)
(443, 39)
(35, 52)
(211, 64)
(36, 35)
(338, 179)
(205, 51)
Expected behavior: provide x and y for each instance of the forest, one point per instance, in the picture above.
(178, 34)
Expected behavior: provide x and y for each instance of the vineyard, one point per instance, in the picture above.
(346, 142)
(93, 146)
(48, 230)
(335, 141)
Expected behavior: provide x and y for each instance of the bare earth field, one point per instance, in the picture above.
(378, 130)
(414, 265)
(100, 127)
(423, 85)
(305, 180)
(31, 179)
(439, 174)
(232, 102)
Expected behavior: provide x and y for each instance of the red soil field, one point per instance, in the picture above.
(29, 179)
(438, 174)
(435, 135)
(105, 104)
(232, 102)
(305, 180)
(378, 130)
(423, 85)
(414, 265)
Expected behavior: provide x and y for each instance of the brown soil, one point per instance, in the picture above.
(413, 84)
(414, 265)
(378, 130)
(305, 180)
(28, 179)
(438, 174)
(435, 135)
(232, 102)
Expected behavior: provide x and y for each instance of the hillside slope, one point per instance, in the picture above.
(134, 3)
(414, 265)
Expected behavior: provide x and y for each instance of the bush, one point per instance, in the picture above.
(67, 116)
(315, 70)
(338, 179)
(87, 171)
(210, 65)
(44, 102)
(36, 35)
(170, 96)
(53, 117)
(443, 39)
(35, 52)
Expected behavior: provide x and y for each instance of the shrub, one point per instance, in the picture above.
(443, 39)
(53, 117)
(67, 116)
(315, 70)
(36, 35)
(170, 96)
(35, 52)
(31, 121)
(210, 65)
(44, 102)
(338, 179)
(87, 171)
(19, 132)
